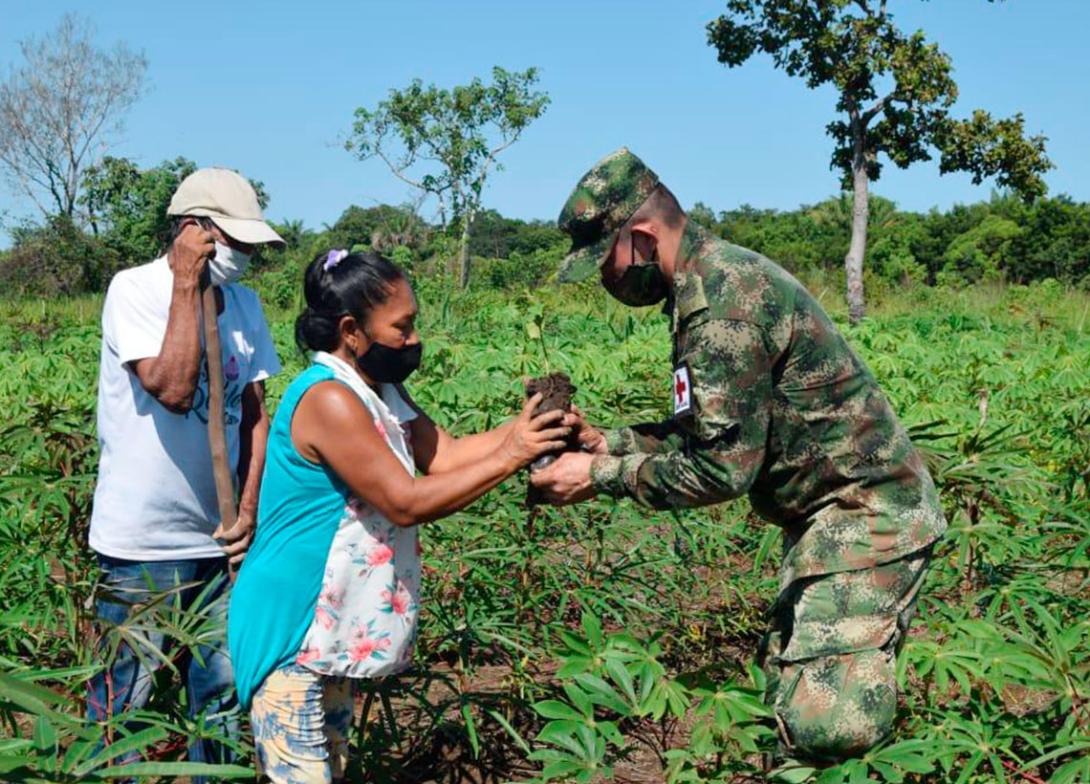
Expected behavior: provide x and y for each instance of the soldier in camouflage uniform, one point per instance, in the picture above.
(769, 400)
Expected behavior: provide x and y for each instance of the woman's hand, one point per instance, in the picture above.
(530, 436)
(590, 438)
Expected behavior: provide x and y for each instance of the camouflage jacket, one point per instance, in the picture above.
(770, 400)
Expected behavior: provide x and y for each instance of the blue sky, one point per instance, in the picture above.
(269, 88)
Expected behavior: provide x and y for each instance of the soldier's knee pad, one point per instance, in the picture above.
(834, 707)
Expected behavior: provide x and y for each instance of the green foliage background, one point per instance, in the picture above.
(603, 640)
(1002, 239)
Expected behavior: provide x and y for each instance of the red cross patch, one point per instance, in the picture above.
(683, 390)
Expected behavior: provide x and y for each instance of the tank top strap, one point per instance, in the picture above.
(294, 393)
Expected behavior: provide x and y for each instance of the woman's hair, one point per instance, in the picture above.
(336, 286)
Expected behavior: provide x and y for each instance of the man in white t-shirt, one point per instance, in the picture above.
(155, 519)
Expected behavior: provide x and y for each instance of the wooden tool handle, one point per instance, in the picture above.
(217, 435)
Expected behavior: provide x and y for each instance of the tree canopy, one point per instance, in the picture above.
(445, 143)
(895, 91)
(60, 107)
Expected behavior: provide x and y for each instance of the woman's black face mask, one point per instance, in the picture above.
(388, 365)
(640, 284)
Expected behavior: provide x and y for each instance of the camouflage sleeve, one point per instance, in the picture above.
(723, 434)
(649, 437)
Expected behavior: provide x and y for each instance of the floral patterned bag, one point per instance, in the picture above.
(364, 624)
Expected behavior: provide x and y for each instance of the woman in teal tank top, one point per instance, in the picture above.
(330, 588)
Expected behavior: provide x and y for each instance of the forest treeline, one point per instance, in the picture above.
(122, 222)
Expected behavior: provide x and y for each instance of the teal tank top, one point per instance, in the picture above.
(299, 511)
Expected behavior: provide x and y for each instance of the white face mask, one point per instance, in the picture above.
(228, 265)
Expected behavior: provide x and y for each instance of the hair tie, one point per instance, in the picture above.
(334, 258)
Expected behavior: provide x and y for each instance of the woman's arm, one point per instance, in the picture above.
(438, 452)
(333, 427)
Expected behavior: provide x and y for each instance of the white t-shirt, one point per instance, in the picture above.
(156, 496)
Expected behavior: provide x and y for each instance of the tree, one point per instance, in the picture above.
(984, 252)
(382, 228)
(498, 237)
(54, 259)
(895, 91)
(701, 214)
(445, 142)
(58, 110)
(127, 206)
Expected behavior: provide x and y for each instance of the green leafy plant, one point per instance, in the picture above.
(633, 632)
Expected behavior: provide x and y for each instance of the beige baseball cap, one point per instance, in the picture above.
(228, 199)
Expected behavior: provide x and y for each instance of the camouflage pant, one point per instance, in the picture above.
(829, 657)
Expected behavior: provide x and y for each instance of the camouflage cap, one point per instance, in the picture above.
(603, 201)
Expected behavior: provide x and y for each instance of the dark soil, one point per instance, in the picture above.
(557, 391)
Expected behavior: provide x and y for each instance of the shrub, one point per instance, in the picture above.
(56, 259)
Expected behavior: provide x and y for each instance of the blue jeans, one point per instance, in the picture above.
(127, 682)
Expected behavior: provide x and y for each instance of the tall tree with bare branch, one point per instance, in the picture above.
(59, 109)
(895, 91)
(445, 142)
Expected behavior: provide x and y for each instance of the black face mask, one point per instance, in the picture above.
(388, 365)
(640, 284)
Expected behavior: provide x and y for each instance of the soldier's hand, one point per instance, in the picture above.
(591, 439)
(190, 252)
(567, 480)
